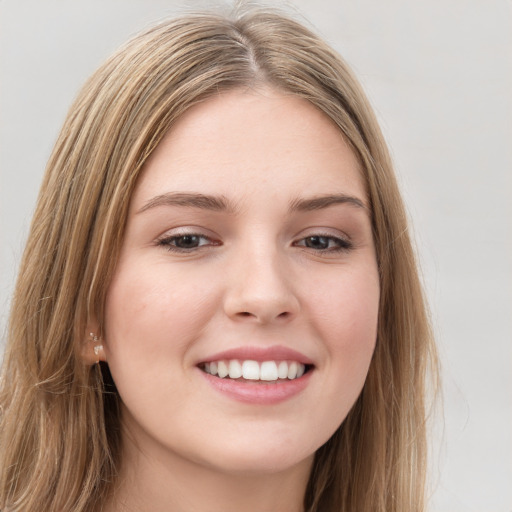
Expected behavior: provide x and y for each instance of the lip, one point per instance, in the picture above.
(260, 354)
(259, 393)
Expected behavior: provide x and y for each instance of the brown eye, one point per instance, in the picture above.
(324, 243)
(317, 242)
(185, 243)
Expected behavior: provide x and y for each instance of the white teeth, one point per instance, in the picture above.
(222, 369)
(268, 371)
(235, 369)
(251, 370)
(282, 370)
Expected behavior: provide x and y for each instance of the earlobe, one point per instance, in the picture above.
(98, 349)
(92, 349)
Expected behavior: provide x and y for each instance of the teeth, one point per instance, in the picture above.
(235, 369)
(251, 370)
(282, 370)
(269, 371)
(222, 369)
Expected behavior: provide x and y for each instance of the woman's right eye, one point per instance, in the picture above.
(187, 242)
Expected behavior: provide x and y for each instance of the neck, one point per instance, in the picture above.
(170, 483)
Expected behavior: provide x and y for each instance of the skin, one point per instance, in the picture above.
(256, 278)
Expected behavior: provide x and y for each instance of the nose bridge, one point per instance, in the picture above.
(260, 284)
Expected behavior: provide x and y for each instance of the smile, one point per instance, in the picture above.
(266, 371)
(258, 375)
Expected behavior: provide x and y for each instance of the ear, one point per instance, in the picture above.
(92, 350)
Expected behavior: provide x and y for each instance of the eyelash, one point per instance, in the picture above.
(340, 244)
(169, 242)
(334, 244)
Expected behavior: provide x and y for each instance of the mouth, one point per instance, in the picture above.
(259, 376)
(252, 371)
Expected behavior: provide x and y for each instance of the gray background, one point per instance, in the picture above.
(439, 75)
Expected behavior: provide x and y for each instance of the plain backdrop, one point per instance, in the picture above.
(439, 74)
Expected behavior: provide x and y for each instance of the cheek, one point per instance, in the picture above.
(146, 309)
(349, 304)
(152, 317)
(346, 317)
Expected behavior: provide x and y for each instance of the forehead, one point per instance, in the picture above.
(249, 142)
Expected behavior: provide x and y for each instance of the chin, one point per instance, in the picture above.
(264, 465)
(262, 458)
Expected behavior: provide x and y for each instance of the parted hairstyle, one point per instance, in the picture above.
(60, 422)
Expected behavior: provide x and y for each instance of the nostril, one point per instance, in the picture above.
(245, 314)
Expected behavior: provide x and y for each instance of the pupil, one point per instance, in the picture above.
(187, 241)
(317, 242)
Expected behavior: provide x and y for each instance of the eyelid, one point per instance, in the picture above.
(186, 230)
(165, 239)
(345, 243)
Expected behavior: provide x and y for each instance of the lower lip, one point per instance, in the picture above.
(258, 392)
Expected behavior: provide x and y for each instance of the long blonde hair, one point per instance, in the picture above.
(59, 430)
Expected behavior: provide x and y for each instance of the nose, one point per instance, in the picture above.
(260, 289)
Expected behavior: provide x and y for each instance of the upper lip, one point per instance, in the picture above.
(260, 354)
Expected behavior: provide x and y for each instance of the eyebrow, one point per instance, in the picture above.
(321, 202)
(190, 200)
(222, 204)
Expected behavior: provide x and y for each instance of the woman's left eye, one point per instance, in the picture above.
(186, 242)
(324, 243)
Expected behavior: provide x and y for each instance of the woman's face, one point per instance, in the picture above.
(248, 250)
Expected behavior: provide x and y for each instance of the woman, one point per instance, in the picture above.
(218, 307)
